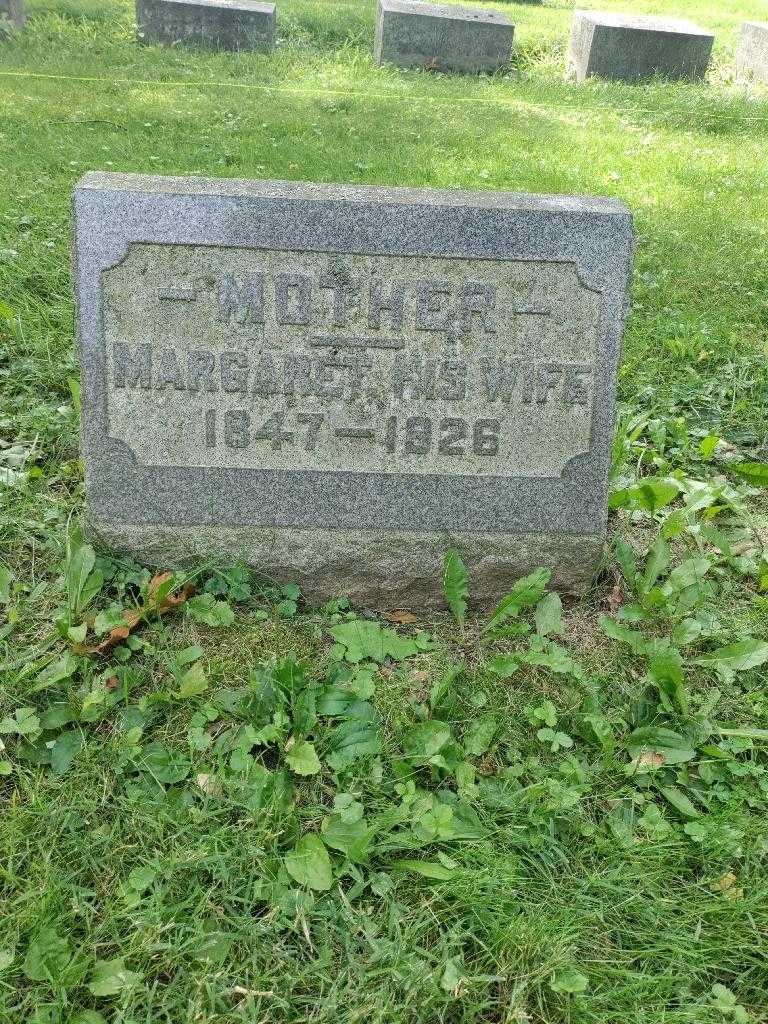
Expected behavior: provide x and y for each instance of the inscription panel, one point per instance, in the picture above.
(272, 359)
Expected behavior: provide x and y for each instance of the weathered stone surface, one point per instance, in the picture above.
(752, 53)
(375, 569)
(338, 383)
(632, 48)
(211, 24)
(13, 11)
(411, 33)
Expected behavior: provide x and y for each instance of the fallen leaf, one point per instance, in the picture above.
(649, 759)
(745, 547)
(615, 599)
(169, 601)
(727, 886)
(724, 884)
(133, 616)
(401, 616)
(209, 784)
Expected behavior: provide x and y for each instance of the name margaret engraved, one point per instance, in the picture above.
(351, 377)
(259, 358)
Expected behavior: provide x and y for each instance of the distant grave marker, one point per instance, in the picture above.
(442, 37)
(210, 24)
(13, 11)
(633, 48)
(752, 53)
(338, 383)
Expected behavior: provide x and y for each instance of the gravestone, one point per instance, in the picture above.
(632, 48)
(752, 53)
(411, 33)
(338, 383)
(210, 24)
(13, 11)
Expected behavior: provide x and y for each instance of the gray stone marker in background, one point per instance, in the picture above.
(338, 383)
(631, 48)
(411, 33)
(14, 11)
(212, 24)
(752, 52)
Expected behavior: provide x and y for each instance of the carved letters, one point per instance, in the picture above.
(349, 363)
(348, 376)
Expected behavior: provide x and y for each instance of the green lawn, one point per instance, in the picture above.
(250, 810)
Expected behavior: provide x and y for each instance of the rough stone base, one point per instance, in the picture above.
(752, 54)
(14, 11)
(210, 24)
(633, 48)
(374, 569)
(441, 37)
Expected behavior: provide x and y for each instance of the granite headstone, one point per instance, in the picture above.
(209, 24)
(633, 48)
(14, 12)
(441, 37)
(338, 383)
(752, 52)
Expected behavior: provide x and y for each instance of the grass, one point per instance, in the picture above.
(137, 825)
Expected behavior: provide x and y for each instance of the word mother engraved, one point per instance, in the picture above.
(336, 383)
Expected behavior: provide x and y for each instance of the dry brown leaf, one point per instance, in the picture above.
(401, 616)
(114, 637)
(615, 599)
(170, 601)
(650, 759)
(133, 616)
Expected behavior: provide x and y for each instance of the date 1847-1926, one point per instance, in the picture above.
(413, 435)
